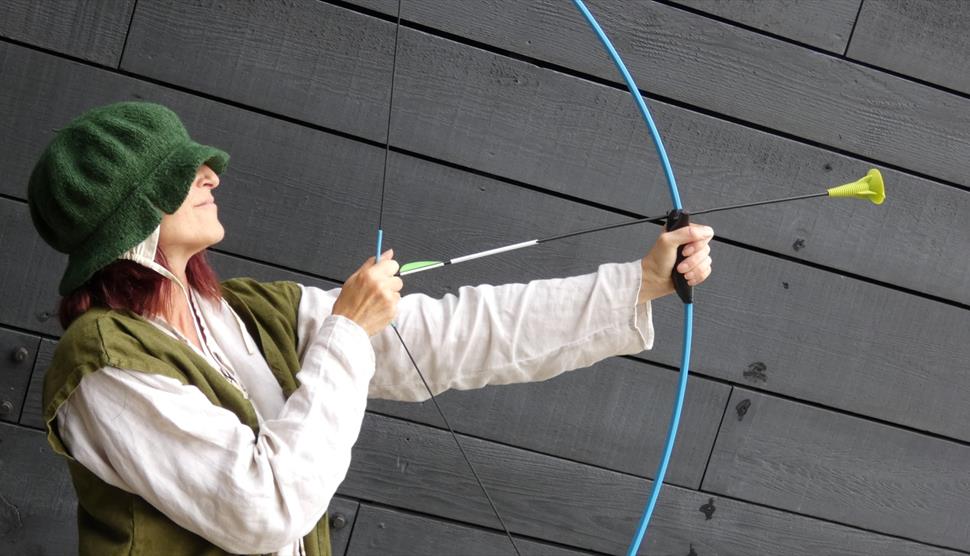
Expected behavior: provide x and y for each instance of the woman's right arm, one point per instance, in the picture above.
(210, 473)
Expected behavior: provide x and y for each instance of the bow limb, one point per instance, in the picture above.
(688, 305)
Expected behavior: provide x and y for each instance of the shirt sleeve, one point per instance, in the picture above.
(245, 492)
(502, 334)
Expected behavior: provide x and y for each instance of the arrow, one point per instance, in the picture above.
(870, 188)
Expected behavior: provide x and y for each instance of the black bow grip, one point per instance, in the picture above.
(678, 218)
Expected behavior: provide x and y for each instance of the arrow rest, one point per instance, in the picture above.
(677, 219)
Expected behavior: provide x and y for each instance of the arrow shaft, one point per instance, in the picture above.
(531, 242)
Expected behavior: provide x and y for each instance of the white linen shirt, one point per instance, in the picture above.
(255, 493)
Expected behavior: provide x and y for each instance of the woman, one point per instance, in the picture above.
(200, 418)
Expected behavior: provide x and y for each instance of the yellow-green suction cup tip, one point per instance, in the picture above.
(870, 188)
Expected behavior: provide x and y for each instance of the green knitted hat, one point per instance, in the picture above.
(102, 184)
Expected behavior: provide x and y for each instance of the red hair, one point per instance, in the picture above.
(127, 285)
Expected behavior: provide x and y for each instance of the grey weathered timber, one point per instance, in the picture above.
(304, 59)
(417, 468)
(288, 191)
(228, 266)
(814, 328)
(343, 514)
(799, 458)
(919, 38)
(17, 354)
(33, 410)
(38, 506)
(538, 126)
(37, 502)
(29, 273)
(718, 163)
(613, 415)
(384, 532)
(824, 24)
(93, 31)
(724, 69)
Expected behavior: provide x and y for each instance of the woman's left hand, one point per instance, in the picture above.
(659, 262)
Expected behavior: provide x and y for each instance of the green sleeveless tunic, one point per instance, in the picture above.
(110, 520)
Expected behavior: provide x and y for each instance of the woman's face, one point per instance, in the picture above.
(195, 225)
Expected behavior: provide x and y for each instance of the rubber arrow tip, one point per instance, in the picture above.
(870, 188)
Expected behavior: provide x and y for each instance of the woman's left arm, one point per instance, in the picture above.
(523, 332)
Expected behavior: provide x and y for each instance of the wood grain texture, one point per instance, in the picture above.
(417, 468)
(343, 514)
(17, 354)
(799, 458)
(280, 198)
(515, 120)
(38, 506)
(304, 59)
(613, 415)
(919, 38)
(718, 162)
(29, 273)
(37, 501)
(92, 31)
(807, 336)
(724, 69)
(825, 24)
(385, 532)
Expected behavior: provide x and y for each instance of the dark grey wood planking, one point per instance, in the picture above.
(417, 468)
(763, 166)
(92, 31)
(306, 59)
(38, 504)
(17, 354)
(29, 273)
(340, 534)
(281, 177)
(385, 532)
(612, 415)
(33, 411)
(37, 501)
(825, 24)
(820, 463)
(807, 356)
(921, 39)
(728, 70)
(514, 120)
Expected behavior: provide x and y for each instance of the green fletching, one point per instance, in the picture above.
(870, 188)
(418, 265)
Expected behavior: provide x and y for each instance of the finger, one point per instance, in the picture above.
(699, 273)
(688, 234)
(694, 260)
(386, 255)
(387, 267)
(396, 284)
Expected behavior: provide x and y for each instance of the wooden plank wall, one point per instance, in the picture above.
(827, 407)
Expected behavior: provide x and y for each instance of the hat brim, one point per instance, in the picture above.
(162, 191)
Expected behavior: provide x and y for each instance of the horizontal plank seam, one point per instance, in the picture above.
(366, 502)
(523, 449)
(830, 521)
(809, 403)
(543, 64)
(607, 208)
(534, 61)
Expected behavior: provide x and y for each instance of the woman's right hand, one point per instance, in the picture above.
(370, 296)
